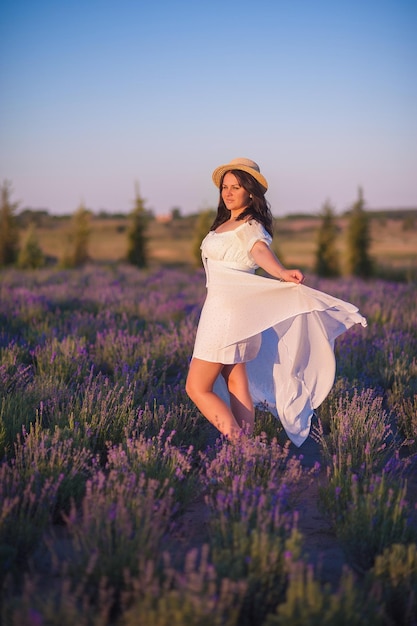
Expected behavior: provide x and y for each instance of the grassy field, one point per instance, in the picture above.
(394, 240)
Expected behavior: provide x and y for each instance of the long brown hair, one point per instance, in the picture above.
(258, 208)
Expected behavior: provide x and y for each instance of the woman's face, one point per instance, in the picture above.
(235, 197)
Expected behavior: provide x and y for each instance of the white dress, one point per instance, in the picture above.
(284, 331)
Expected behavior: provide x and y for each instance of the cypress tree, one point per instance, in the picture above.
(30, 254)
(9, 233)
(327, 257)
(137, 252)
(79, 237)
(358, 240)
(204, 221)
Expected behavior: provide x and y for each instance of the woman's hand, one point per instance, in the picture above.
(292, 276)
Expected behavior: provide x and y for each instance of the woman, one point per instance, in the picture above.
(271, 341)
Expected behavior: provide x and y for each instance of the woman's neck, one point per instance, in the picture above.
(234, 214)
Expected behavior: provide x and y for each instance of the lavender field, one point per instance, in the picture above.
(119, 504)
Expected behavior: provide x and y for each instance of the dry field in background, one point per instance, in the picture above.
(394, 241)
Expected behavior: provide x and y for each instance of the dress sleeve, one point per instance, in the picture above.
(253, 232)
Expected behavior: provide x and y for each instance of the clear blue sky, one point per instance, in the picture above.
(97, 95)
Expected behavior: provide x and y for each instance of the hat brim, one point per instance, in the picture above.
(220, 171)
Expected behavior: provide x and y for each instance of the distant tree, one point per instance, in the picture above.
(137, 252)
(80, 231)
(30, 254)
(409, 223)
(358, 240)
(9, 232)
(176, 213)
(327, 256)
(204, 221)
(38, 217)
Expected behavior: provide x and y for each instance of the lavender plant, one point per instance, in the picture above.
(405, 408)
(308, 602)
(394, 582)
(189, 428)
(53, 456)
(66, 603)
(372, 515)
(251, 527)
(360, 438)
(17, 406)
(257, 462)
(251, 536)
(123, 520)
(196, 597)
(157, 458)
(27, 504)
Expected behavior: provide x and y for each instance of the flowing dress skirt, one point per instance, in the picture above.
(285, 332)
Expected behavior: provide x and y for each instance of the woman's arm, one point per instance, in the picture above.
(266, 259)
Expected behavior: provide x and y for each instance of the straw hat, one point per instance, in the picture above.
(246, 165)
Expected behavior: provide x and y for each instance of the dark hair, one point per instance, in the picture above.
(258, 208)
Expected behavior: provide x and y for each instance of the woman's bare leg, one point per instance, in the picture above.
(240, 399)
(199, 387)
